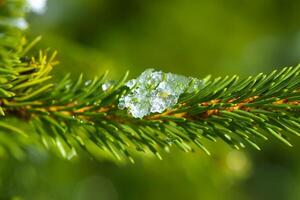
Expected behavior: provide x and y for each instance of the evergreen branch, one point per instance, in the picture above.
(74, 115)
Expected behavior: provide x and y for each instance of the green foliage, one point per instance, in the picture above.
(79, 115)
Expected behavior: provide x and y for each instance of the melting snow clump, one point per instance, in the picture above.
(155, 91)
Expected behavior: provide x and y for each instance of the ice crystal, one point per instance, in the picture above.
(155, 91)
(87, 83)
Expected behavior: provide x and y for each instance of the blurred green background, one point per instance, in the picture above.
(191, 37)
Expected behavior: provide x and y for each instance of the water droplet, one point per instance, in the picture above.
(96, 104)
(107, 85)
(87, 83)
(131, 83)
(121, 104)
(196, 85)
(68, 86)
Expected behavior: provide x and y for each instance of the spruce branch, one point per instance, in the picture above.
(75, 115)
